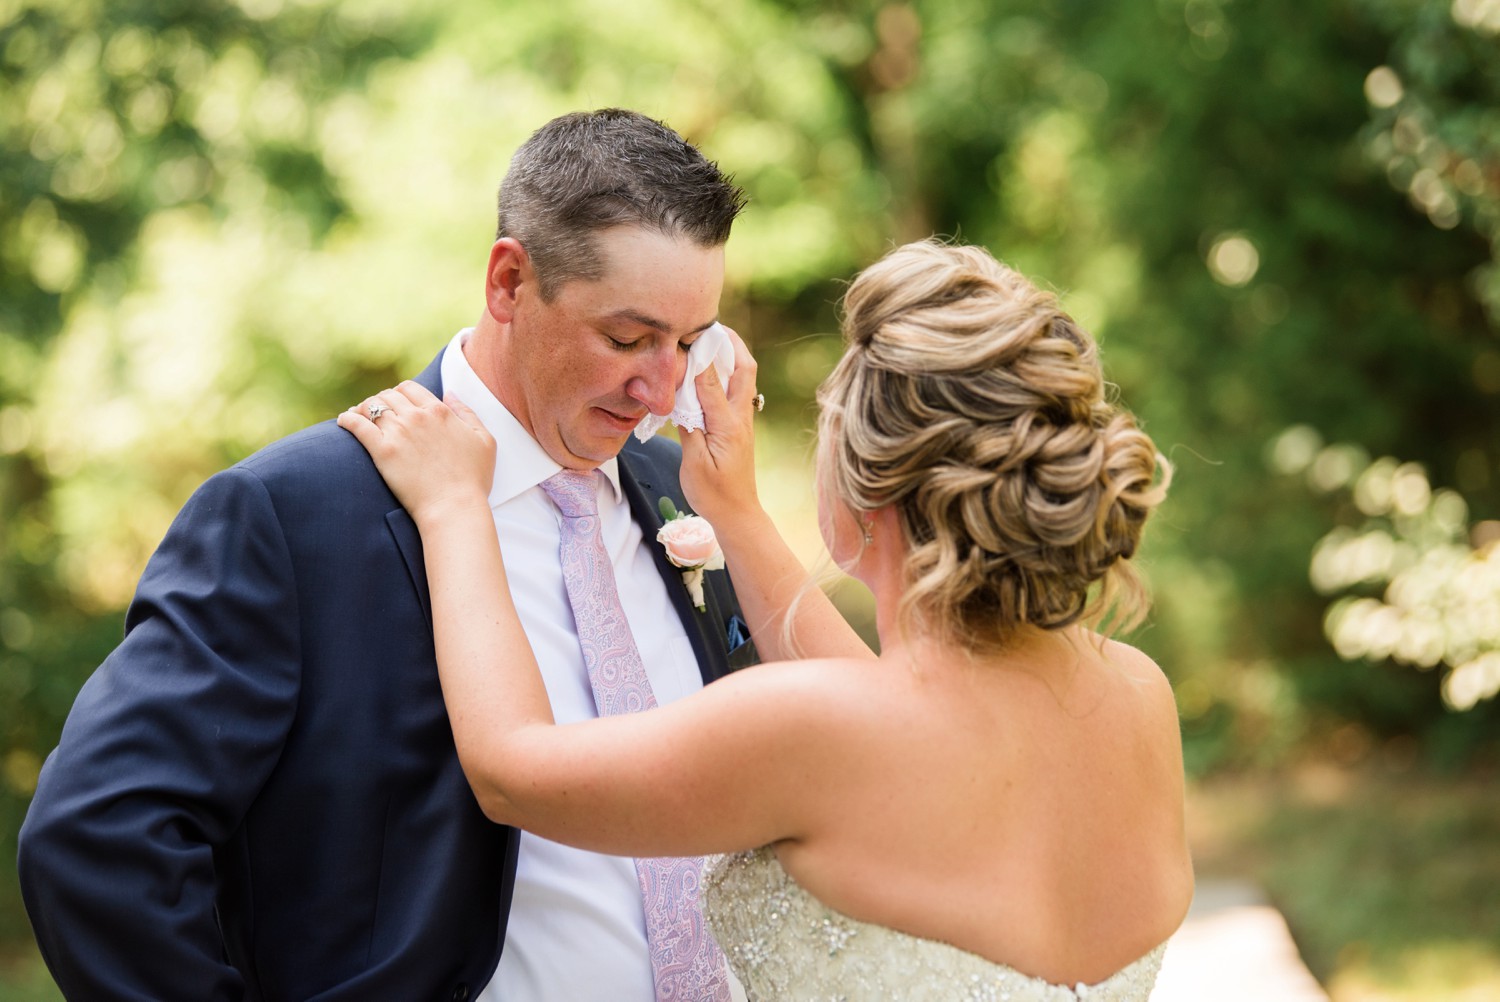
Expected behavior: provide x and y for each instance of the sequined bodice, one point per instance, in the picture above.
(785, 945)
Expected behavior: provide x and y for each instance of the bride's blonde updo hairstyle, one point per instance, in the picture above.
(971, 404)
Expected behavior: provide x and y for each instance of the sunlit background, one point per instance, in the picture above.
(222, 221)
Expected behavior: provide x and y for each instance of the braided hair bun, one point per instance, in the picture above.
(972, 404)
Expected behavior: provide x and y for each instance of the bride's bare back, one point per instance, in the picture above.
(1034, 803)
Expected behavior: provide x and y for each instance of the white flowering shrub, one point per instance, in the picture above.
(1416, 583)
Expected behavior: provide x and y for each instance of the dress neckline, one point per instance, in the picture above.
(1126, 977)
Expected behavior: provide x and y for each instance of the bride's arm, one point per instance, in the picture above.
(725, 769)
(718, 479)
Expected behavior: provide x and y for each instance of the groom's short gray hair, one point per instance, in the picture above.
(592, 170)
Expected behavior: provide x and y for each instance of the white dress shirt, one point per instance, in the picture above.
(577, 930)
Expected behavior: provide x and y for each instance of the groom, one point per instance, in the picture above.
(256, 795)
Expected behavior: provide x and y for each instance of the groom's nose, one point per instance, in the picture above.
(655, 383)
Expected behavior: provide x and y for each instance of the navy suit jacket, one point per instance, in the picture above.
(256, 795)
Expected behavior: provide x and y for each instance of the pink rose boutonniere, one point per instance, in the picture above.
(690, 544)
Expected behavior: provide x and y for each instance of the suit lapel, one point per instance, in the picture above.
(641, 491)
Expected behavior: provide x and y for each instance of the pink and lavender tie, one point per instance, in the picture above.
(685, 961)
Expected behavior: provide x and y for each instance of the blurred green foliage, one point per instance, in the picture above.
(220, 221)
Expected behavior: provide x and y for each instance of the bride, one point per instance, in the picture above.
(993, 806)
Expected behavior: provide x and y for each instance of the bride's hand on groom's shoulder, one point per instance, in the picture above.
(718, 463)
(435, 455)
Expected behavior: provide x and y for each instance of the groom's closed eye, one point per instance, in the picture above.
(622, 344)
(631, 344)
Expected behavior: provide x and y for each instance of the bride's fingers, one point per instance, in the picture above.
(694, 447)
(381, 405)
(464, 411)
(361, 411)
(467, 416)
(395, 401)
(357, 422)
(709, 377)
(742, 382)
(418, 394)
(716, 409)
(363, 419)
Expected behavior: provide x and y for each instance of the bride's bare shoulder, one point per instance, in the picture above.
(826, 689)
(810, 677)
(1140, 670)
(1133, 661)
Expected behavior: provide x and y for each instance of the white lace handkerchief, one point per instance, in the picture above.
(713, 347)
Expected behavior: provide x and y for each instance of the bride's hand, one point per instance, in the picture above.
(718, 463)
(433, 456)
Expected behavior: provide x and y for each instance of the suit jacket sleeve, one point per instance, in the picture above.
(163, 751)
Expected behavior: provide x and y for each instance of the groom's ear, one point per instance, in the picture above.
(508, 266)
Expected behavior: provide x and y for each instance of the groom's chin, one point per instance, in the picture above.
(603, 435)
(587, 452)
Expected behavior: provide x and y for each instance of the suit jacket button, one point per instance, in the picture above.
(461, 993)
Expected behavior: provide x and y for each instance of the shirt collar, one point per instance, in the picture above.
(520, 463)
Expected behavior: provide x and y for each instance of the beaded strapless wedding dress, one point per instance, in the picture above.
(785, 946)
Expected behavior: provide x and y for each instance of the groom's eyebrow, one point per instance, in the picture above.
(646, 320)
